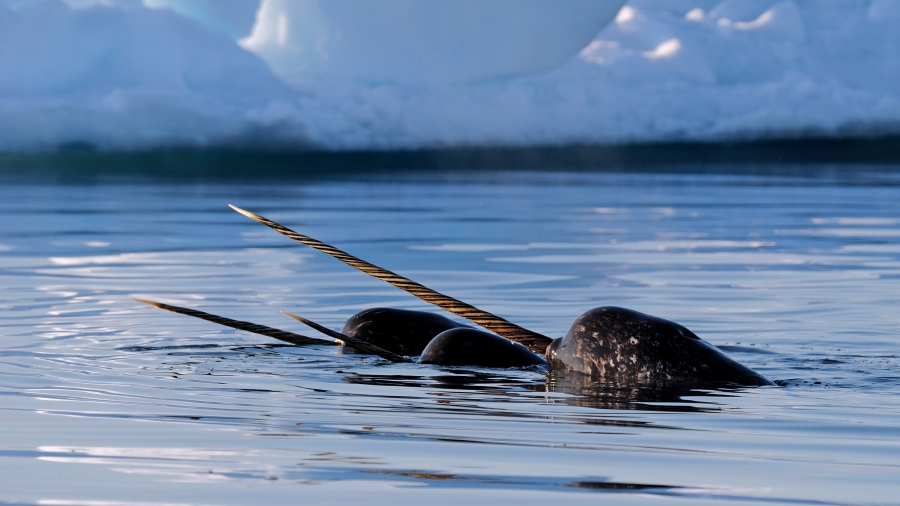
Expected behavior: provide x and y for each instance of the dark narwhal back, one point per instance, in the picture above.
(623, 346)
(473, 347)
(400, 331)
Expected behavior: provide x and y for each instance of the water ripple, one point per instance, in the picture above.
(796, 277)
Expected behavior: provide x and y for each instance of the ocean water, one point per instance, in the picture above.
(793, 271)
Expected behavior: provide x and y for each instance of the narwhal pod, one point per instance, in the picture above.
(614, 345)
(617, 345)
(611, 344)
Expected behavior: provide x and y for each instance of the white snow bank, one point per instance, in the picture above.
(124, 76)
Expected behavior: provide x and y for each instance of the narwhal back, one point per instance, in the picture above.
(400, 331)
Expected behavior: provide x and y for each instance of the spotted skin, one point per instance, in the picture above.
(616, 345)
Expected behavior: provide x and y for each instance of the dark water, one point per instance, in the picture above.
(104, 401)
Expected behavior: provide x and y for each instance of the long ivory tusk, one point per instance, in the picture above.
(532, 340)
(281, 335)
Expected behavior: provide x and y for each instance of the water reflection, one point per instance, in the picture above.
(519, 482)
(644, 396)
(579, 389)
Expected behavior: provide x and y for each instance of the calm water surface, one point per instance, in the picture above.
(104, 401)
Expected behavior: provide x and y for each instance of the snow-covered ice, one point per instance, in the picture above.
(139, 74)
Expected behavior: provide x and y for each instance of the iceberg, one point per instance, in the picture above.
(234, 18)
(146, 74)
(122, 78)
(435, 41)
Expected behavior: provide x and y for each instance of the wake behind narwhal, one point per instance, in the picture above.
(610, 344)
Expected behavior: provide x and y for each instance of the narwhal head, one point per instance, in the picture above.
(623, 346)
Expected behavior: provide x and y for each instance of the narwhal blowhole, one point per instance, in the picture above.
(611, 345)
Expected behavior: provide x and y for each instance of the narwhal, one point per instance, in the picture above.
(612, 345)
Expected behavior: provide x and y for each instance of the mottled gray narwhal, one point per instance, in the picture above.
(611, 344)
